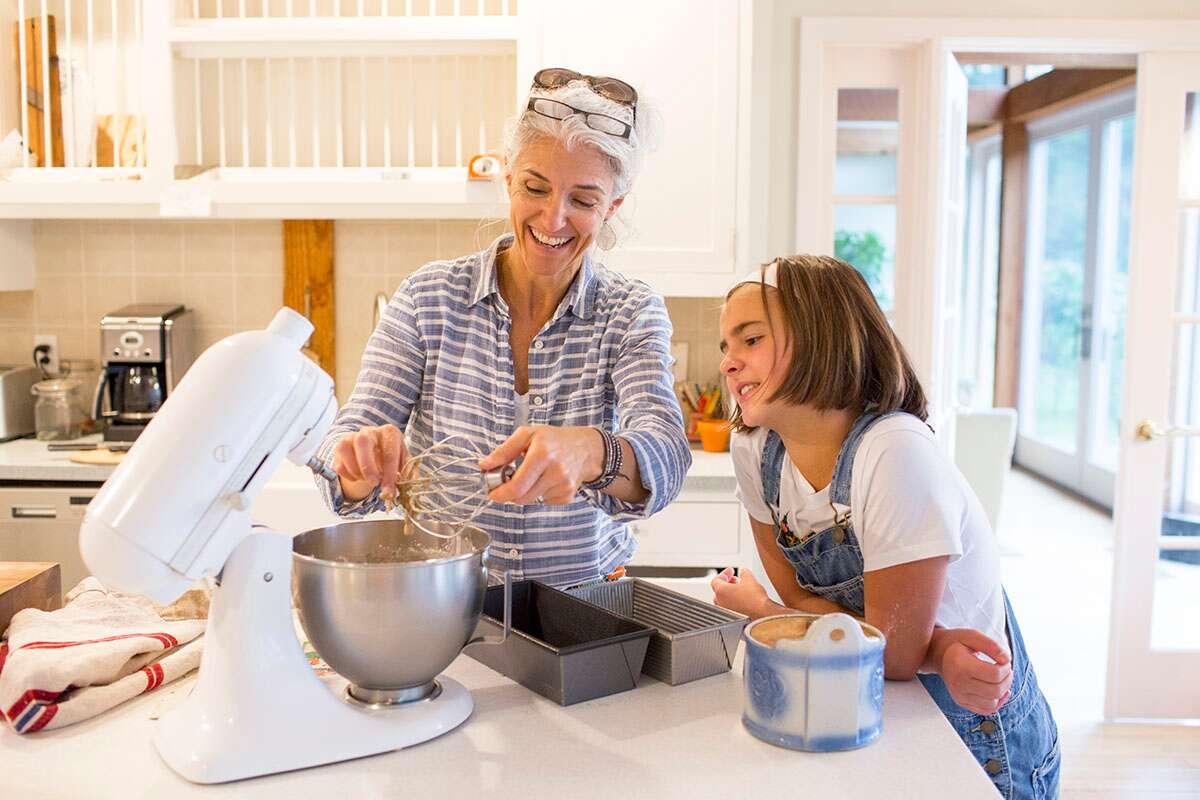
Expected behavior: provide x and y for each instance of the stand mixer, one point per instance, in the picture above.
(175, 511)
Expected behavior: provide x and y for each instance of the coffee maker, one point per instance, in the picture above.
(144, 349)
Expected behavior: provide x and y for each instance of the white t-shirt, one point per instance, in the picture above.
(908, 502)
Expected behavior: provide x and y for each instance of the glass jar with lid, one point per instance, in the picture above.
(57, 413)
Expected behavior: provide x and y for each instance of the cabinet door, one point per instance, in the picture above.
(42, 524)
(687, 534)
(681, 56)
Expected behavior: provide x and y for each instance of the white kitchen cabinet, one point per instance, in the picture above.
(40, 522)
(690, 534)
(682, 57)
(264, 110)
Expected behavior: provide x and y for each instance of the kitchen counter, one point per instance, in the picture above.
(29, 460)
(655, 741)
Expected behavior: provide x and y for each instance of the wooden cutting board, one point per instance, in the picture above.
(28, 584)
(101, 456)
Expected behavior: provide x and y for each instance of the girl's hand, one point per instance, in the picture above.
(367, 458)
(976, 685)
(557, 462)
(743, 594)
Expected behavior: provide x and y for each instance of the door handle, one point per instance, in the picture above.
(1148, 429)
(34, 512)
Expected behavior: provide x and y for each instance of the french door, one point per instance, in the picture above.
(1154, 647)
(1076, 279)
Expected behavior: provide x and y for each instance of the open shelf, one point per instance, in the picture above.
(302, 37)
(338, 192)
(262, 193)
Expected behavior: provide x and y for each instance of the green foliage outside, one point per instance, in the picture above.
(867, 253)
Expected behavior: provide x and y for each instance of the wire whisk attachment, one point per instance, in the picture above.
(444, 485)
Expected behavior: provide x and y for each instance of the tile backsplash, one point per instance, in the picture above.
(231, 275)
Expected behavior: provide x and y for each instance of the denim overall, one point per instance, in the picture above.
(1017, 746)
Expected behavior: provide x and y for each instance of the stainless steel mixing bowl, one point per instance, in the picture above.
(386, 605)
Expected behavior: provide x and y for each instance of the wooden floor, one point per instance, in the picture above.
(1057, 561)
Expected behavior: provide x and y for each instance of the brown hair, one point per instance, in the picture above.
(845, 354)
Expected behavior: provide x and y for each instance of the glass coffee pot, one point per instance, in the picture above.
(57, 412)
(140, 392)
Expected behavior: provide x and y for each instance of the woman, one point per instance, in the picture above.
(532, 351)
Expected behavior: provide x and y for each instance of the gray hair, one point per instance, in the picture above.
(624, 156)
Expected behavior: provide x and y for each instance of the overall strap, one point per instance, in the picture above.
(773, 454)
(771, 471)
(839, 487)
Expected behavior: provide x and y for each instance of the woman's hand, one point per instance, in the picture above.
(976, 685)
(557, 462)
(741, 593)
(367, 458)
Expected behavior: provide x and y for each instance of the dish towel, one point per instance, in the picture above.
(97, 651)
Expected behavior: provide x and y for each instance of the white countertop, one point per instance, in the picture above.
(655, 741)
(29, 460)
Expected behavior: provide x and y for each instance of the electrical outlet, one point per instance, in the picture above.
(50, 341)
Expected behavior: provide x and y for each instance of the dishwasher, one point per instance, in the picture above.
(40, 522)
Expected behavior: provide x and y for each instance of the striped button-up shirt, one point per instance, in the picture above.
(440, 363)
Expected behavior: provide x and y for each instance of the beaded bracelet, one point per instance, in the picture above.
(613, 459)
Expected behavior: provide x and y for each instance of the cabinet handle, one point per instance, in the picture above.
(34, 512)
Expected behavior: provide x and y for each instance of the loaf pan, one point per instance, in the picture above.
(692, 639)
(560, 646)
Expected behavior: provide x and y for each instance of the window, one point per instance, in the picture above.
(980, 274)
(985, 74)
(864, 195)
(1035, 70)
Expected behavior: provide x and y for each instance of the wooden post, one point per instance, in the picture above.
(308, 282)
(35, 86)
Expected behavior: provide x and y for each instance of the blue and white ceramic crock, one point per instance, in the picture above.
(822, 691)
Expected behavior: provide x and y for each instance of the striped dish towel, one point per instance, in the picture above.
(97, 651)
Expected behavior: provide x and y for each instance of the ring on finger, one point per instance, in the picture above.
(539, 500)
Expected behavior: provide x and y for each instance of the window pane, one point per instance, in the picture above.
(1036, 70)
(865, 236)
(984, 74)
(1177, 575)
(1190, 160)
(1176, 593)
(978, 284)
(867, 137)
(1112, 276)
(1184, 493)
(1054, 288)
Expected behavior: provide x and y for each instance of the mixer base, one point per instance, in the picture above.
(258, 708)
(391, 698)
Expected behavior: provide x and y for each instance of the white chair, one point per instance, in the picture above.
(983, 450)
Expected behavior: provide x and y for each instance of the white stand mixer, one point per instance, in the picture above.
(175, 511)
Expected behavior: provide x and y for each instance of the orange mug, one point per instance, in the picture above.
(714, 434)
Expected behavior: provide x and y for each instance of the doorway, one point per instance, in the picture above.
(1076, 278)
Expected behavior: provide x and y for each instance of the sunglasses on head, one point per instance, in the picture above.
(609, 88)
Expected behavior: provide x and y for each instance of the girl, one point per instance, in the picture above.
(854, 508)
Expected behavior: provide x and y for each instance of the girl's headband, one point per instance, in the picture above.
(769, 276)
